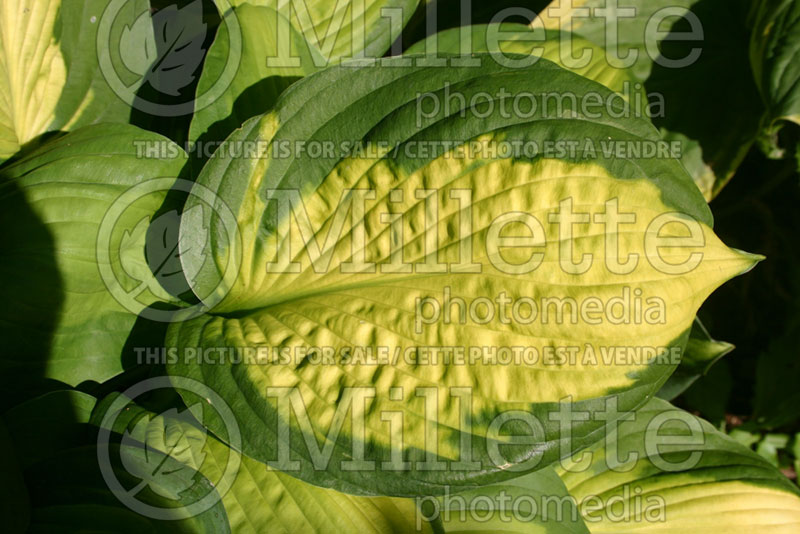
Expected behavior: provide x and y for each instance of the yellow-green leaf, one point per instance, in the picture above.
(50, 79)
(259, 499)
(375, 410)
(672, 473)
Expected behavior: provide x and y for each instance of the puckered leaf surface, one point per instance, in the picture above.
(350, 292)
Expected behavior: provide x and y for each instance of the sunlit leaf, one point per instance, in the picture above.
(50, 78)
(67, 322)
(261, 499)
(335, 300)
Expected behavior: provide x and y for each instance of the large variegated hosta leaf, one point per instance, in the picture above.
(259, 499)
(68, 491)
(662, 470)
(672, 473)
(342, 29)
(61, 320)
(446, 418)
(257, 83)
(507, 39)
(50, 78)
(775, 58)
(693, 59)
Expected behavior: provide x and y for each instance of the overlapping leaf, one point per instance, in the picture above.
(685, 475)
(693, 59)
(342, 30)
(775, 55)
(64, 322)
(505, 40)
(261, 499)
(661, 471)
(50, 78)
(68, 490)
(537, 503)
(257, 83)
(702, 351)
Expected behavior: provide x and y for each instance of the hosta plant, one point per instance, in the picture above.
(450, 286)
